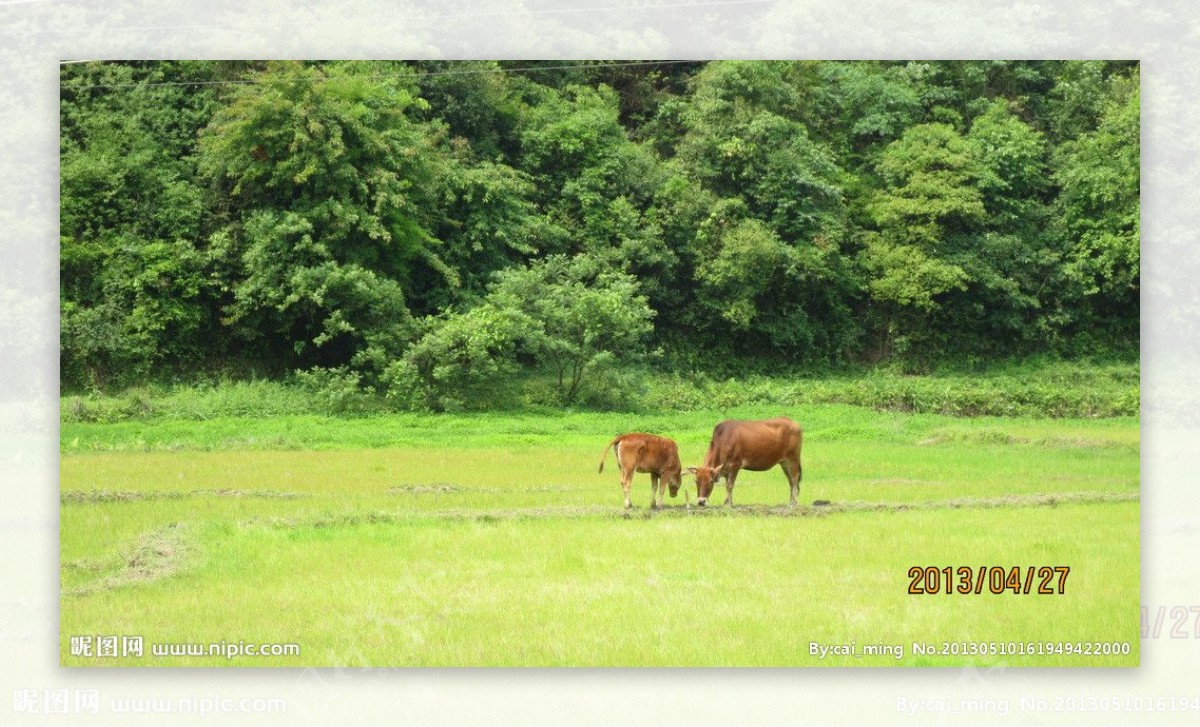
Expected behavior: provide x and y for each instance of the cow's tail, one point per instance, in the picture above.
(605, 455)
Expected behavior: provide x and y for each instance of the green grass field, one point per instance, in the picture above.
(425, 540)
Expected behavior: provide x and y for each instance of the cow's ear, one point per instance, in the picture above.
(691, 470)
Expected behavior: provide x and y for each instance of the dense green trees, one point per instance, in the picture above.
(433, 229)
(136, 293)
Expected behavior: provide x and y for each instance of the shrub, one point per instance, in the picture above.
(337, 391)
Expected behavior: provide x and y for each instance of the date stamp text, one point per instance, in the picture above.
(1042, 580)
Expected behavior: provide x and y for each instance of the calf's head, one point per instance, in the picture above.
(673, 483)
(706, 478)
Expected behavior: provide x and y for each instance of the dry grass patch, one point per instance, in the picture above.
(154, 556)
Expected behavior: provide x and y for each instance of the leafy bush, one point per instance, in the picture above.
(337, 391)
(569, 316)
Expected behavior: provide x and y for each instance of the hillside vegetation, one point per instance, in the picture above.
(446, 235)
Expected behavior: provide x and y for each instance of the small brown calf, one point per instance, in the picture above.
(651, 453)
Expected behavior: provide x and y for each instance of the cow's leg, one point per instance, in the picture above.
(792, 470)
(655, 492)
(730, 476)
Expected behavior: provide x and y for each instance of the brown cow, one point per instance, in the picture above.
(647, 453)
(753, 445)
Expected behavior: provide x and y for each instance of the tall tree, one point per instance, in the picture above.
(767, 255)
(595, 184)
(331, 188)
(1099, 213)
(931, 197)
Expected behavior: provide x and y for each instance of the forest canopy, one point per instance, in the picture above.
(430, 229)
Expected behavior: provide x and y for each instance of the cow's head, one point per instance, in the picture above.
(706, 478)
(673, 483)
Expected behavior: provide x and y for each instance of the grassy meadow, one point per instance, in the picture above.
(490, 539)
